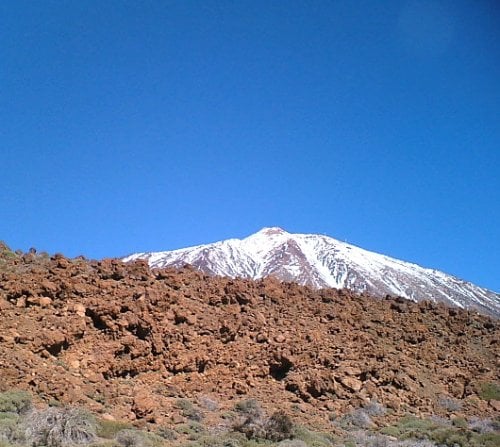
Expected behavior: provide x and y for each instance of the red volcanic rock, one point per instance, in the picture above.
(127, 341)
(351, 383)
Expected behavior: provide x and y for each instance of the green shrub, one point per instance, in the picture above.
(15, 401)
(456, 433)
(109, 429)
(413, 427)
(278, 427)
(391, 431)
(354, 420)
(60, 427)
(312, 438)
(489, 391)
(221, 440)
(489, 439)
(460, 423)
(480, 425)
(131, 438)
(207, 403)
(184, 404)
(449, 403)
(193, 430)
(255, 425)
(450, 437)
(166, 433)
(188, 410)
(251, 421)
(374, 408)
(257, 443)
(8, 416)
(137, 438)
(10, 431)
(250, 407)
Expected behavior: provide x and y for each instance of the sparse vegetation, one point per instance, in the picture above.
(354, 420)
(374, 408)
(255, 424)
(249, 407)
(410, 427)
(60, 427)
(484, 425)
(458, 433)
(132, 438)
(109, 429)
(15, 401)
(188, 410)
(193, 430)
(166, 433)
(10, 431)
(5, 251)
(69, 427)
(208, 403)
(312, 438)
(278, 427)
(489, 391)
(449, 403)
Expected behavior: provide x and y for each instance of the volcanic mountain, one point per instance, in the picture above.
(320, 261)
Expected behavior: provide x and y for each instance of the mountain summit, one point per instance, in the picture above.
(320, 261)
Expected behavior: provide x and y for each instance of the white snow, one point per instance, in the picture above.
(328, 262)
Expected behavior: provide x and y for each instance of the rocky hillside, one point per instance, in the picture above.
(320, 261)
(121, 338)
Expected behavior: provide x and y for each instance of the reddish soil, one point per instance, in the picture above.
(128, 341)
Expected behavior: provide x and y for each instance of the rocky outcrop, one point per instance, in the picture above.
(127, 340)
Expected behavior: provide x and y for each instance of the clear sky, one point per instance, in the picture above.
(152, 125)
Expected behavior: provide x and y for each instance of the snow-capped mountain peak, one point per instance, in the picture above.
(321, 261)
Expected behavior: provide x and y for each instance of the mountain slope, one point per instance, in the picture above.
(320, 261)
(130, 341)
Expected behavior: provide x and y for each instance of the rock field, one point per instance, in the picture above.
(127, 341)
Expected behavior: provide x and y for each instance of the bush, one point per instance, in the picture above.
(484, 425)
(10, 432)
(313, 438)
(252, 420)
(356, 419)
(292, 443)
(109, 429)
(188, 410)
(460, 423)
(223, 440)
(278, 427)
(489, 391)
(489, 439)
(193, 430)
(374, 408)
(255, 425)
(450, 404)
(15, 401)
(249, 407)
(207, 403)
(412, 427)
(166, 433)
(132, 438)
(416, 432)
(60, 427)
(365, 439)
(450, 438)
(183, 404)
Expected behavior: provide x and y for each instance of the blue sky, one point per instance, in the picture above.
(135, 126)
